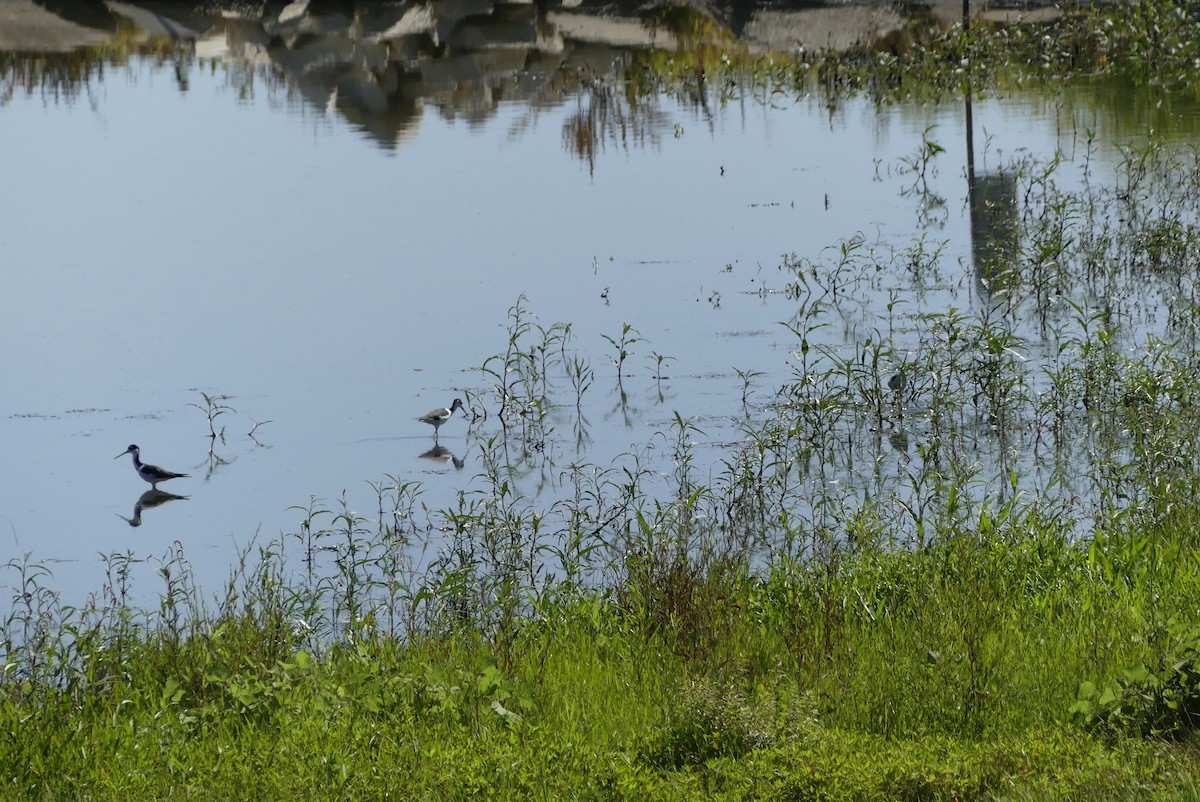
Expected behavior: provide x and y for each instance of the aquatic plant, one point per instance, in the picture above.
(621, 347)
(213, 408)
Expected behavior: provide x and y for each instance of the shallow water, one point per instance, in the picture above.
(331, 285)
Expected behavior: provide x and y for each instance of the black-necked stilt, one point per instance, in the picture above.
(436, 417)
(151, 473)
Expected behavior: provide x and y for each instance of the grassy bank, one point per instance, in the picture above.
(949, 672)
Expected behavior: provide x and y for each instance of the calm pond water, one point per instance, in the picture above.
(328, 270)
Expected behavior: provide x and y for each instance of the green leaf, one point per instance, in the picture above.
(1138, 673)
(172, 693)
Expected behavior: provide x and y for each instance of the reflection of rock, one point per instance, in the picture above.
(177, 23)
(389, 118)
(1004, 11)
(309, 55)
(360, 90)
(380, 64)
(89, 13)
(448, 13)
(466, 86)
(296, 24)
(613, 31)
(415, 20)
(758, 27)
(235, 40)
(511, 27)
(1022, 13)
(29, 27)
(824, 28)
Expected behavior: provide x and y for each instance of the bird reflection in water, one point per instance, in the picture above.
(149, 500)
(443, 455)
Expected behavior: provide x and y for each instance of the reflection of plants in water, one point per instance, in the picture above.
(254, 429)
(659, 363)
(701, 62)
(1040, 393)
(693, 28)
(214, 407)
(606, 115)
(833, 282)
(998, 398)
(1144, 41)
(63, 77)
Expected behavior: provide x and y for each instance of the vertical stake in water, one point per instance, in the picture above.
(966, 11)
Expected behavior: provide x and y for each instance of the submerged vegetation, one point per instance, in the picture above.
(955, 560)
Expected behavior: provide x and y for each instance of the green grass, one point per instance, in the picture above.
(943, 673)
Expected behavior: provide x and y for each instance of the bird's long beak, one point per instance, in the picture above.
(123, 453)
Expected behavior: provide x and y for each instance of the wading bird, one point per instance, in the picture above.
(151, 473)
(436, 417)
